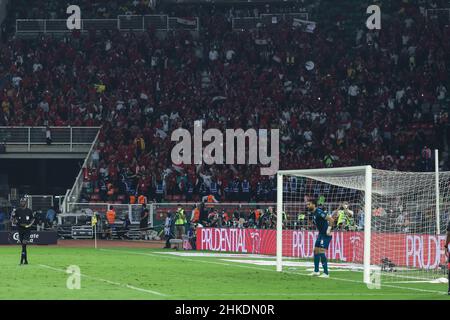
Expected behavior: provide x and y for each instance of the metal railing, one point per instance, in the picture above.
(293, 210)
(74, 193)
(249, 23)
(121, 23)
(158, 210)
(438, 14)
(142, 23)
(36, 136)
(40, 202)
(133, 211)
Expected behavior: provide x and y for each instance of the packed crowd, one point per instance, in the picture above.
(379, 98)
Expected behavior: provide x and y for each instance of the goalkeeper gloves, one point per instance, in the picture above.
(329, 231)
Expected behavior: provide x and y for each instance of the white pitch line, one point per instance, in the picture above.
(421, 281)
(108, 281)
(271, 270)
(186, 258)
(382, 285)
(413, 281)
(300, 294)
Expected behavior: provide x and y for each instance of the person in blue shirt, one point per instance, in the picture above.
(324, 223)
(50, 217)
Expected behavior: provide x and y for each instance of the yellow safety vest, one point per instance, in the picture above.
(181, 218)
(94, 220)
(343, 217)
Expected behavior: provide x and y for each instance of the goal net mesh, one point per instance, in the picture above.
(405, 242)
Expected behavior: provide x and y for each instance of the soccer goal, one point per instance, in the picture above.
(386, 222)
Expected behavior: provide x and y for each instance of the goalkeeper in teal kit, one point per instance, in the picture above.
(324, 223)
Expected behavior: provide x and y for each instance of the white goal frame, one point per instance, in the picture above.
(367, 170)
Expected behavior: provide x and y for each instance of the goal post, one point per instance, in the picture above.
(367, 221)
(436, 188)
(365, 171)
(279, 221)
(385, 221)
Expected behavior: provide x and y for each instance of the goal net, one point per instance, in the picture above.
(386, 222)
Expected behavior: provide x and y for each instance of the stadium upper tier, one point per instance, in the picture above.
(377, 97)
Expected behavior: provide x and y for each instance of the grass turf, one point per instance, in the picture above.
(131, 273)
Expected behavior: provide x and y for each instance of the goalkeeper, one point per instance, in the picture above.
(323, 223)
(23, 218)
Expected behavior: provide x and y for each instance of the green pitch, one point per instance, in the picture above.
(130, 273)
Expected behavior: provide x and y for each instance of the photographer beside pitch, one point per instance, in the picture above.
(344, 217)
(23, 218)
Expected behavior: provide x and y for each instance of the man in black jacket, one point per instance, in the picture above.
(143, 224)
(23, 218)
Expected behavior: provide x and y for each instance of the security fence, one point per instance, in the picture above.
(145, 22)
(293, 211)
(133, 211)
(121, 23)
(439, 14)
(40, 202)
(249, 23)
(35, 136)
(158, 210)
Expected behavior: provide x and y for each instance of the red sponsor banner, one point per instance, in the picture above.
(412, 250)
